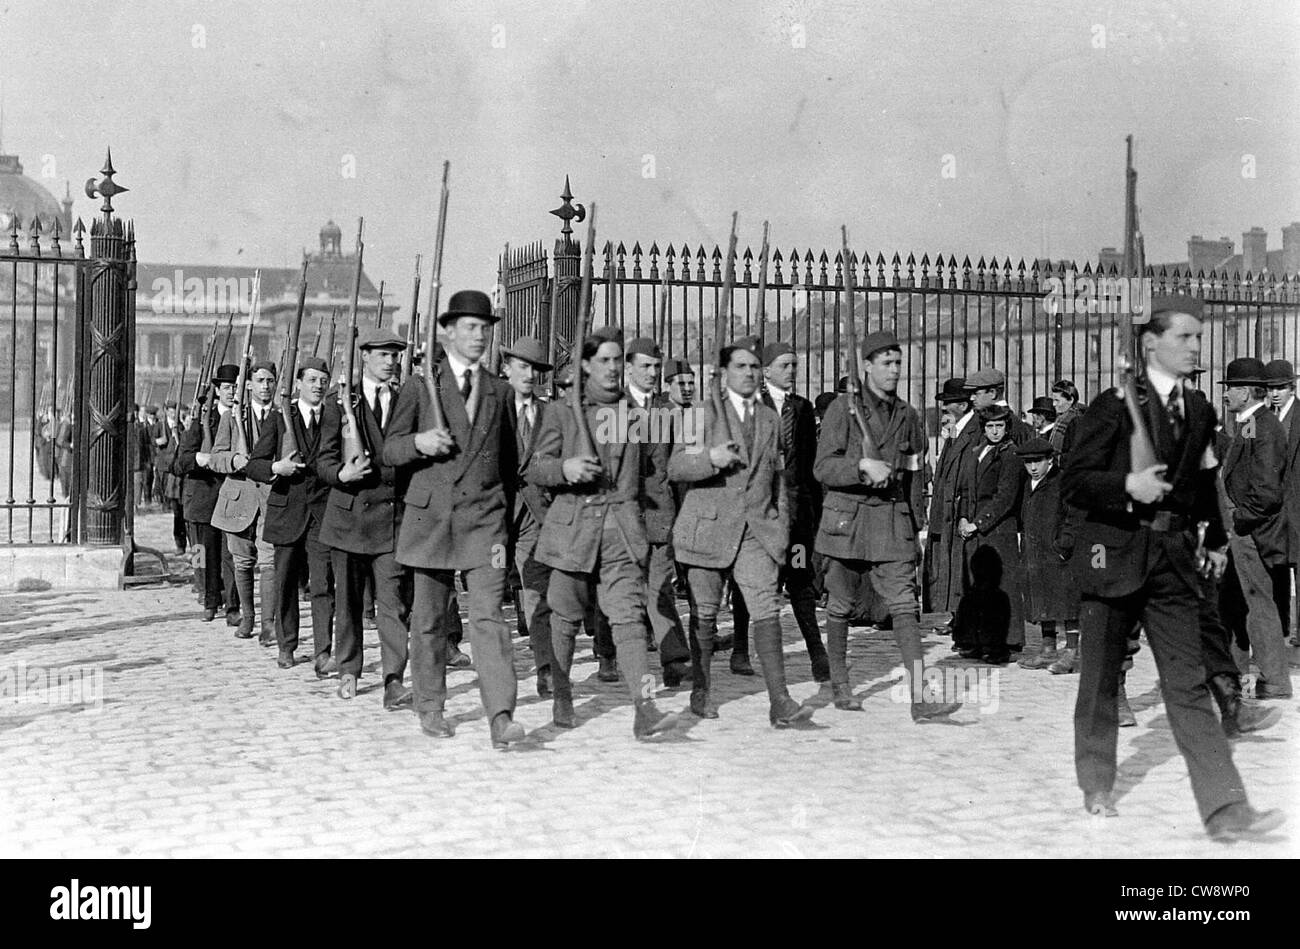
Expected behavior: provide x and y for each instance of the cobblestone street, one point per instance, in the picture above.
(201, 746)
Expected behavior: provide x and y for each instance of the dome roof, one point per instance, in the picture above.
(25, 198)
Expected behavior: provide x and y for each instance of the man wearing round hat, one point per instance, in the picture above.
(871, 515)
(1258, 543)
(1135, 562)
(988, 387)
(202, 486)
(679, 377)
(797, 442)
(1280, 376)
(595, 529)
(170, 491)
(944, 550)
(735, 521)
(295, 510)
(458, 500)
(522, 361)
(641, 372)
(362, 518)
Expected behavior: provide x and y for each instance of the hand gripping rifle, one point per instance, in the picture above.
(203, 402)
(856, 409)
(586, 446)
(721, 322)
(412, 325)
(353, 447)
(239, 412)
(289, 448)
(437, 416)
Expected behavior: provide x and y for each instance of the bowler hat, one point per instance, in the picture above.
(468, 303)
(954, 390)
(677, 367)
(226, 372)
(995, 413)
(313, 362)
(773, 351)
(879, 341)
(530, 350)
(1246, 371)
(1043, 406)
(372, 337)
(1279, 372)
(1035, 448)
(986, 379)
(747, 343)
(642, 346)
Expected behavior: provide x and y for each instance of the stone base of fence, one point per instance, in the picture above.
(61, 567)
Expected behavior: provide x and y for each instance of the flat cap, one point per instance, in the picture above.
(879, 341)
(677, 367)
(643, 346)
(370, 337)
(986, 379)
(1035, 449)
(773, 351)
(263, 364)
(313, 362)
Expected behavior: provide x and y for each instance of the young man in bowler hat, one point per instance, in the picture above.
(458, 504)
(1280, 376)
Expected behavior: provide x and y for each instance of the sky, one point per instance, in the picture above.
(936, 126)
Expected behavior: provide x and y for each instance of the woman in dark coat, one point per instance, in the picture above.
(990, 526)
(1047, 538)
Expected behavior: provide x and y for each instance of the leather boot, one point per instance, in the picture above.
(804, 607)
(1067, 662)
(629, 644)
(563, 634)
(244, 586)
(650, 721)
(784, 710)
(701, 642)
(842, 696)
(266, 586)
(837, 649)
(1238, 716)
(907, 635)
(1126, 717)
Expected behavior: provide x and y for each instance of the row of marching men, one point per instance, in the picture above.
(506, 484)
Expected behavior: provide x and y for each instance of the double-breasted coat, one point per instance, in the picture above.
(363, 516)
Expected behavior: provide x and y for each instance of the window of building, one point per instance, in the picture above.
(943, 357)
(1094, 348)
(986, 353)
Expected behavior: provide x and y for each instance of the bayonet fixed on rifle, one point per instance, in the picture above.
(329, 348)
(438, 417)
(659, 318)
(412, 325)
(289, 445)
(379, 313)
(320, 329)
(856, 409)
(354, 448)
(586, 446)
(499, 310)
(760, 313)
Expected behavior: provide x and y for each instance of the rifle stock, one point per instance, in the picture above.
(289, 448)
(353, 447)
(586, 446)
(856, 409)
(438, 417)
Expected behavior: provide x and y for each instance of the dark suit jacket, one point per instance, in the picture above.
(571, 537)
(1291, 482)
(457, 508)
(202, 485)
(719, 506)
(361, 517)
(951, 477)
(859, 522)
(797, 459)
(293, 500)
(536, 499)
(1253, 471)
(1112, 548)
(1047, 541)
(660, 502)
(991, 500)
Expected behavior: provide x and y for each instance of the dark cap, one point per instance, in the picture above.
(226, 373)
(370, 337)
(264, 364)
(995, 413)
(530, 350)
(879, 341)
(1035, 449)
(773, 351)
(747, 344)
(677, 367)
(313, 362)
(642, 346)
(1043, 406)
(468, 303)
(954, 390)
(1177, 303)
(1246, 371)
(986, 379)
(1279, 372)
(602, 335)
(842, 385)
(823, 402)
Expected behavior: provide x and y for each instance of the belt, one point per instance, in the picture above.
(1167, 522)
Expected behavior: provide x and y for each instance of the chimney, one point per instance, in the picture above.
(1208, 255)
(1291, 248)
(1109, 259)
(1254, 250)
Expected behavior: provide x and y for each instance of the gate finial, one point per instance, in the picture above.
(568, 211)
(107, 187)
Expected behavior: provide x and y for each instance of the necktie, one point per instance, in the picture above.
(467, 386)
(1175, 407)
(311, 425)
(378, 409)
(747, 428)
(787, 427)
(526, 424)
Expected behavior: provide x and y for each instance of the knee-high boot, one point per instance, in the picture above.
(783, 709)
(837, 661)
(270, 597)
(244, 593)
(907, 634)
(702, 634)
(804, 607)
(563, 634)
(629, 642)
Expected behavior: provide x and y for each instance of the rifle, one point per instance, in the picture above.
(1142, 448)
(230, 327)
(412, 325)
(204, 385)
(180, 390)
(856, 409)
(329, 348)
(353, 447)
(438, 418)
(238, 412)
(379, 313)
(320, 328)
(586, 447)
(660, 312)
(761, 312)
(289, 444)
(148, 394)
(494, 352)
(721, 323)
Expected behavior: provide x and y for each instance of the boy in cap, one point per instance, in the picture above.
(595, 530)
(295, 511)
(870, 518)
(1047, 543)
(735, 521)
(362, 519)
(458, 503)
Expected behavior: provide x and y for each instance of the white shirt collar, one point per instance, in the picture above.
(222, 409)
(1163, 382)
(738, 402)
(368, 387)
(306, 411)
(961, 423)
(458, 366)
(640, 396)
(1247, 413)
(1047, 428)
(778, 395)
